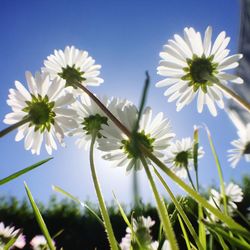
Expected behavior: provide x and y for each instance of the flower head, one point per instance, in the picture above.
(154, 134)
(193, 67)
(73, 66)
(43, 107)
(141, 229)
(242, 144)
(233, 195)
(39, 243)
(8, 233)
(90, 119)
(180, 156)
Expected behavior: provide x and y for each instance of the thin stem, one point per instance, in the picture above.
(103, 209)
(189, 177)
(105, 110)
(234, 96)
(161, 209)
(136, 191)
(197, 180)
(195, 156)
(13, 127)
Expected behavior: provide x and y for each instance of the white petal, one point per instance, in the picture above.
(207, 41)
(200, 101)
(219, 40)
(23, 91)
(166, 82)
(211, 106)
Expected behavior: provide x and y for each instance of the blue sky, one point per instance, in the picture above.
(125, 37)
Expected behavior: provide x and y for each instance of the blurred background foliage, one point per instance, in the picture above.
(80, 230)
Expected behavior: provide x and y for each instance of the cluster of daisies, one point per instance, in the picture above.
(8, 234)
(140, 237)
(53, 105)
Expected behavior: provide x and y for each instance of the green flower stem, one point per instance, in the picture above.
(234, 96)
(136, 192)
(217, 162)
(180, 210)
(103, 209)
(161, 209)
(189, 177)
(105, 110)
(195, 195)
(14, 126)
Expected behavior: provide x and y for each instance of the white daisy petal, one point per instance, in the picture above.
(179, 154)
(188, 64)
(200, 101)
(233, 194)
(45, 108)
(120, 148)
(73, 59)
(207, 41)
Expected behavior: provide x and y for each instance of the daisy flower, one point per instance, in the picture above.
(8, 233)
(141, 228)
(180, 156)
(233, 194)
(242, 144)
(73, 66)
(193, 66)
(43, 107)
(39, 243)
(89, 118)
(154, 134)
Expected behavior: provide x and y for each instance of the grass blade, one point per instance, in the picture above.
(180, 210)
(11, 242)
(235, 242)
(62, 191)
(217, 162)
(134, 142)
(125, 218)
(202, 229)
(162, 210)
(194, 194)
(184, 233)
(39, 219)
(23, 171)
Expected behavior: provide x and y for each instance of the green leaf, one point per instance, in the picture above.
(23, 171)
(134, 140)
(60, 190)
(202, 229)
(142, 102)
(180, 210)
(39, 219)
(195, 149)
(125, 218)
(161, 208)
(217, 162)
(184, 233)
(228, 236)
(194, 194)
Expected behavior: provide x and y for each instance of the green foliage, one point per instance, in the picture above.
(81, 229)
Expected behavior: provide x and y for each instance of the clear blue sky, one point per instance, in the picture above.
(125, 37)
